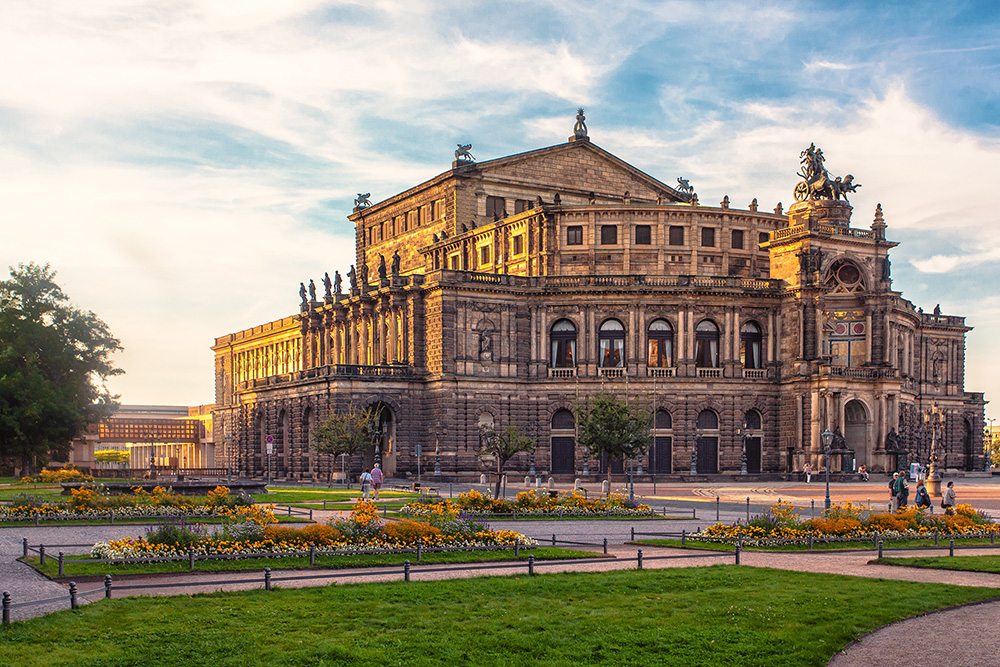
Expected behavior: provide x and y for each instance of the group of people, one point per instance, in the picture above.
(807, 472)
(371, 480)
(899, 493)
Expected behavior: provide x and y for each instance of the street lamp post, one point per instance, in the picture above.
(377, 438)
(694, 451)
(744, 433)
(437, 450)
(532, 433)
(934, 420)
(827, 439)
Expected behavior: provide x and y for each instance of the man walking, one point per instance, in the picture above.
(366, 485)
(377, 479)
(893, 498)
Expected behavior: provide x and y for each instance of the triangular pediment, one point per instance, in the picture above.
(578, 166)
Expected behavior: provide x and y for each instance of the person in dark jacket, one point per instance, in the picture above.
(922, 498)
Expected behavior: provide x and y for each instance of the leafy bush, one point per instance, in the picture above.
(410, 532)
(180, 535)
(27, 501)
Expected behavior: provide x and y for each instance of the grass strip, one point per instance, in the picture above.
(693, 543)
(963, 563)
(51, 567)
(140, 521)
(712, 617)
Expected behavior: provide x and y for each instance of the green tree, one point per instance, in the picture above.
(498, 447)
(609, 427)
(345, 433)
(54, 363)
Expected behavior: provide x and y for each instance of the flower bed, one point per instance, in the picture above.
(363, 531)
(847, 521)
(90, 503)
(530, 502)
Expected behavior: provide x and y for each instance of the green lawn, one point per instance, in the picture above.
(51, 567)
(50, 492)
(281, 518)
(319, 494)
(714, 616)
(967, 563)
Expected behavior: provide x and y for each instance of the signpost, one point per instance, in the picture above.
(269, 442)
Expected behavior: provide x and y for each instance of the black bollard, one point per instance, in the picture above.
(531, 564)
(41, 554)
(191, 558)
(420, 552)
(639, 558)
(406, 570)
(312, 554)
(717, 508)
(810, 541)
(683, 537)
(24, 546)
(880, 549)
(517, 549)
(738, 550)
(62, 560)
(107, 587)
(748, 509)
(267, 578)
(72, 595)
(605, 546)
(951, 547)
(633, 534)
(6, 608)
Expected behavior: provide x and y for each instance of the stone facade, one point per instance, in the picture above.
(528, 283)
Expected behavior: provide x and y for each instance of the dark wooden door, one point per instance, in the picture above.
(662, 461)
(708, 456)
(617, 466)
(753, 455)
(562, 455)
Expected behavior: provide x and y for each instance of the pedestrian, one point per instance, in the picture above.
(807, 470)
(366, 485)
(948, 499)
(863, 471)
(377, 478)
(922, 498)
(893, 498)
(902, 491)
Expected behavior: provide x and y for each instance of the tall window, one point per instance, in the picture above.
(609, 234)
(643, 235)
(708, 420)
(521, 205)
(676, 236)
(762, 237)
(563, 338)
(708, 237)
(660, 345)
(611, 339)
(738, 239)
(495, 208)
(706, 339)
(663, 420)
(518, 244)
(750, 344)
(752, 419)
(484, 255)
(847, 343)
(574, 235)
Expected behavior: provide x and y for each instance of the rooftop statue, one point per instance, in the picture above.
(382, 274)
(337, 282)
(352, 275)
(580, 128)
(327, 285)
(464, 153)
(684, 185)
(395, 262)
(818, 183)
(302, 293)
(363, 200)
(312, 290)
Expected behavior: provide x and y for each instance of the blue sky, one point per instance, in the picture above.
(184, 165)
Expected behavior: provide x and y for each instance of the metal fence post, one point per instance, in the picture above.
(935, 537)
(639, 559)
(267, 578)
(111, 517)
(107, 587)
(406, 570)
(24, 546)
(531, 564)
(717, 508)
(738, 549)
(312, 554)
(190, 558)
(72, 595)
(62, 560)
(633, 534)
(517, 549)
(951, 547)
(683, 537)
(605, 546)
(310, 514)
(41, 554)
(810, 540)
(748, 509)
(553, 539)
(880, 549)
(420, 551)
(6, 608)
(324, 505)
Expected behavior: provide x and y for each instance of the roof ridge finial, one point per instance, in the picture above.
(580, 128)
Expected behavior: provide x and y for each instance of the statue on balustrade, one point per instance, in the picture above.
(382, 274)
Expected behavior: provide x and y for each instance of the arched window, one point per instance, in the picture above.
(752, 420)
(563, 338)
(611, 341)
(663, 420)
(750, 339)
(706, 338)
(660, 345)
(844, 277)
(562, 420)
(708, 420)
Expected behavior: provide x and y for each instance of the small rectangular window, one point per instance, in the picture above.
(738, 239)
(762, 237)
(454, 262)
(521, 205)
(708, 237)
(676, 236)
(484, 255)
(643, 235)
(495, 208)
(518, 244)
(574, 235)
(609, 234)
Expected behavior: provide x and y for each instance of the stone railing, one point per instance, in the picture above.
(754, 373)
(612, 372)
(860, 373)
(710, 372)
(642, 280)
(661, 372)
(562, 372)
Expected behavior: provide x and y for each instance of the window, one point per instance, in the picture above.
(706, 339)
(562, 420)
(437, 209)
(660, 345)
(847, 343)
(676, 236)
(844, 276)
(518, 244)
(521, 205)
(708, 237)
(643, 235)
(750, 344)
(609, 234)
(762, 237)
(738, 239)
(563, 339)
(663, 420)
(752, 420)
(454, 263)
(574, 235)
(484, 255)
(708, 420)
(611, 344)
(495, 208)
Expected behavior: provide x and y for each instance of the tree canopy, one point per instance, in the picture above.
(608, 426)
(345, 432)
(55, 360)
(499, 447)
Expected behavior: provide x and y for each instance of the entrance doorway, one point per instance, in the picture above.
(384, 443)
(856, 431)
(563, 426)
(753, 455)
(708, 455)
(662, 455)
